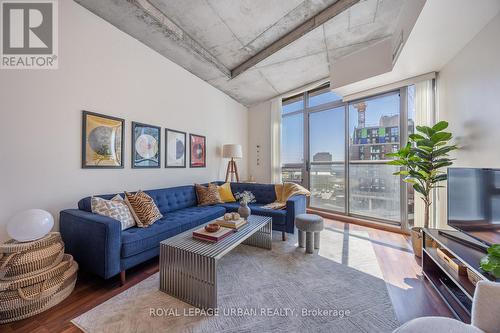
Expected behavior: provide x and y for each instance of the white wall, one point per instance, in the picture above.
(469, 99)
(259, 122)
(104, 70)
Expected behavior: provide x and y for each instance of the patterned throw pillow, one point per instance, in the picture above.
(207, 195)
(144, 208)
(114, 208)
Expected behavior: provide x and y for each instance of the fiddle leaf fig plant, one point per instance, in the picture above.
(491, 262)
(423, 161)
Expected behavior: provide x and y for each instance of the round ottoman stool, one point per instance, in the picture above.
(310, 225)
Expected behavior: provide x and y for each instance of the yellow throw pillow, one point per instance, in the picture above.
(225, 193)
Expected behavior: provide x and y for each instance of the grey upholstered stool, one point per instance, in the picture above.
(310, 225)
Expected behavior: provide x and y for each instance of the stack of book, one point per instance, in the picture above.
(212, 236)
(232, 224)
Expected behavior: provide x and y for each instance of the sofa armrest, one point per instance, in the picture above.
(486, 306)
(294, 206)
(93, 240)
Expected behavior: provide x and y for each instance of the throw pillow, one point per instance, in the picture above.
(225, 192)
(207, 195)
(144, 208)
(114, 208)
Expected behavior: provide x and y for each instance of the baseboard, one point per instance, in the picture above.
(358, 221)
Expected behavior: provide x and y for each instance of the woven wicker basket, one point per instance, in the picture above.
(473, 277)
(31, 295)
(20, 260)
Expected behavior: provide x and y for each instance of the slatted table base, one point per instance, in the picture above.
(191, 275)
(262, 238)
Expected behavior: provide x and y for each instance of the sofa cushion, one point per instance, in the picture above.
(279, 216)
(136, 240)
(264, 193)
(207, 195)
(115, 208)
(225, 193)
(86, 203)
(143, 208)
(436, 324)
(173, 198)
(166, 199)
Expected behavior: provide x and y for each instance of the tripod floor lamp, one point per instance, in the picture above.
(233, 152)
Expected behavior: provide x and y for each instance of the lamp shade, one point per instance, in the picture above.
(232, 151)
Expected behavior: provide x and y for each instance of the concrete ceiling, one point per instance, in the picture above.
(211, 37)
(438, 35)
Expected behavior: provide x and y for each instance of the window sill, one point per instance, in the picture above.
(358, 221)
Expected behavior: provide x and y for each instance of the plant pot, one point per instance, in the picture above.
(416, 241)
(244, 211)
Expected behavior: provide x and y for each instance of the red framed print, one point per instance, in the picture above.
(198, 151)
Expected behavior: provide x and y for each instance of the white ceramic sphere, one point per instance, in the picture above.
(30, 225)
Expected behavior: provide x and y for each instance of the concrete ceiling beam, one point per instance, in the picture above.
(179, 35)
(309, 25)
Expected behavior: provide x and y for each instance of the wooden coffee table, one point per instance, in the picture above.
(188, 266)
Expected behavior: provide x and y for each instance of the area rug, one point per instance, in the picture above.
(339, 289)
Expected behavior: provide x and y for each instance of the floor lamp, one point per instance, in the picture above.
(232, 151)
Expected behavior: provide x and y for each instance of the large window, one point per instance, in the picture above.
(292, 138)
(339, 151)
(373, 133)
(292, 128)
(297, 165)
(327, 156)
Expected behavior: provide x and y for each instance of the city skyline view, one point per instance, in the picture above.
(333, 123)
(373, 132)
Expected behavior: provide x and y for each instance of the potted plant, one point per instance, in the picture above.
(491, 262)
(423, 161)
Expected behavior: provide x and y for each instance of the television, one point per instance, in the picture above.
(474, 203)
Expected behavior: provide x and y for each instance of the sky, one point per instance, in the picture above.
(326, 128)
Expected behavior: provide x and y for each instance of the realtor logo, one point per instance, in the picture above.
(29, 34)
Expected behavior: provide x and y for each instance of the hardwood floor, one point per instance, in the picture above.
(411, 295)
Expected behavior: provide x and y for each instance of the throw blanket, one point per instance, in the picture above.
(284, 192)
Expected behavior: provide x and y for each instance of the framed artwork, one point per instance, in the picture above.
(198, 151)
(146, 146)
(175, 149)
(102, 141)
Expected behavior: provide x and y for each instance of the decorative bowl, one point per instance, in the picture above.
(212, 227)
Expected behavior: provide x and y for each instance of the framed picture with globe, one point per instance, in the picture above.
(146, 145)
(175, 149)
(102, 141)
(198, 151)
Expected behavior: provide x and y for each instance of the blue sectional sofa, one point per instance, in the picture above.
(100, 246)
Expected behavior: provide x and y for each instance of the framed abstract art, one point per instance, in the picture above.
(102, 141)
(198, 151)
(175, 149)
(146, 146)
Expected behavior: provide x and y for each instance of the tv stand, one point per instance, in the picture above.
(461, 239)
(455, 290)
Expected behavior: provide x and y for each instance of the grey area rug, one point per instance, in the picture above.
(340, 289)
